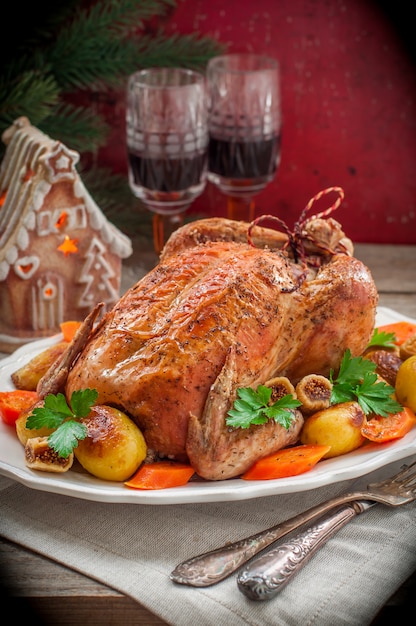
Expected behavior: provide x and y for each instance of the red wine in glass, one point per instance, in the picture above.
(245, 164)
(242, 169)
(167, 175)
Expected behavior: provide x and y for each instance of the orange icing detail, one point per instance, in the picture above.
(25, 269)
(68, 246)
(62, 219)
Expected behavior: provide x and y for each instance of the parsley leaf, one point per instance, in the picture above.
(65, 438)
(375, 397)
(82, 401)
(382, 339)
(57, 414)
(358, 381)
(252, 407)
(352, 369)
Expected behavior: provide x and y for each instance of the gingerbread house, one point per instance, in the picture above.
(59, 255)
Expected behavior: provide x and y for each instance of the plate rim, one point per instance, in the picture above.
(84, 486)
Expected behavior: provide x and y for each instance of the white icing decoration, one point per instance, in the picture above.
(4, 270)
(95, 260)
(20, 264)
(23, 239)
(62, 163)
(106, 234)
(30, 220)
(11, 254)
(42, 189)
(121, 246)
(79, 188)
(47, 308)
(49, 291)
(54, 160)
(96, 220)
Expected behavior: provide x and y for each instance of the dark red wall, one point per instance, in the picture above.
(349, 106)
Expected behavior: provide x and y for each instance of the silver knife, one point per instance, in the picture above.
(270, 572)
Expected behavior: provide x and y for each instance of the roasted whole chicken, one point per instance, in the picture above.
(229, 305)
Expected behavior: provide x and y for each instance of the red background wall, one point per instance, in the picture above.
(349, 107)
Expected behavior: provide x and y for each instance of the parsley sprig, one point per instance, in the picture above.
(56, 413)
(252, 407)
(381, 339)
(358, 381)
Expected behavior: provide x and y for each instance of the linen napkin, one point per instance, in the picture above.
(133, 548)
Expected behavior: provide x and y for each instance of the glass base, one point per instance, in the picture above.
(241, 209)
(166, 202)
(240, 187)
(163, 227)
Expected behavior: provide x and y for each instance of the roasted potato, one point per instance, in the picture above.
(406, 383)
(28, 376)
(114, 447)
(338, 426)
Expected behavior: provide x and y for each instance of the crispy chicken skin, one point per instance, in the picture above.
(212, 317)
(220, 229)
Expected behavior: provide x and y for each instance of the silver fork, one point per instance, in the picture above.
(267, 574)
(213, 566)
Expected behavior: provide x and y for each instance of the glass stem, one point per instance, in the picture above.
(163, 227)
(241, 209)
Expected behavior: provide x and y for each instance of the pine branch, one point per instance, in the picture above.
(77, 127)
(98, 44)
(100, 67)
(32, 93)
(188, 51)
(121, 16)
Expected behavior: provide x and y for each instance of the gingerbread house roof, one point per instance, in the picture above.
(28, 150)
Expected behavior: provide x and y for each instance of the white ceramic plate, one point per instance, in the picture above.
(79, 484)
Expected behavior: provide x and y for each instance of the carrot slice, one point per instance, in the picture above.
(402, 330)
(381, 429)
(13, 403)
(287, 462)
(161, 475)
(69, 329)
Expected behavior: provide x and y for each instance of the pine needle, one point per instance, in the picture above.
(77, 127)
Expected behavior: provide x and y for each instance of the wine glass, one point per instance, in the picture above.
(167, 143)
(244, 122)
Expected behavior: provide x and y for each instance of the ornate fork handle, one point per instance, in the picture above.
(266, 575)
(212, 567)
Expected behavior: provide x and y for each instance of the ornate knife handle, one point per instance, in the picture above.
(212, 567)
(267, 574)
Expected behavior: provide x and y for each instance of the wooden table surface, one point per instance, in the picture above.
(55, 594)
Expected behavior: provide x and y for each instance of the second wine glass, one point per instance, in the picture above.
(244, 128)
(167, 141)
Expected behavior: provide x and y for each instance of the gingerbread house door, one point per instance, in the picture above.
(47, 302)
